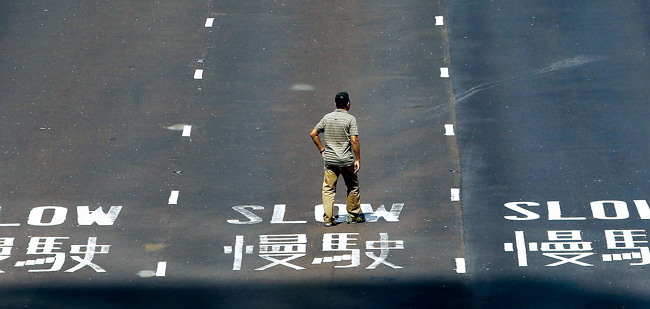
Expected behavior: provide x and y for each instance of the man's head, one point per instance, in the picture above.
(342, 100)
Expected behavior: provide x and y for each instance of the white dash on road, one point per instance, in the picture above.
(455, 194)
(209, 22)
(439, 21)
(520, 242)
(198, 74)
(173, 198)
(449, 129)
(177, 127)
(162, 269)
(187, 130)
(460, 266)
(146, 273)
(444, 72)
(302, 87)
(238, 251)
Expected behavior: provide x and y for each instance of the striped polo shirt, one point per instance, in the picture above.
(337, 127)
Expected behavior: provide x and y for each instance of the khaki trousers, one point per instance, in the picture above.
(353, 204)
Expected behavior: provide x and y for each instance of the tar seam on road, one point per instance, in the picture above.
(557, 66)
(449, 131)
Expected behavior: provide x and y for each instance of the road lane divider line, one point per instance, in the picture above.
(449, 130)
(173, 197)
(521, 248)
(198, 74)
(460, 266)
(161, 269)
(187, 130)
(455, 195)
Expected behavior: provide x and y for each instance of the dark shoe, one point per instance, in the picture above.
(333, 223)
(361, 218)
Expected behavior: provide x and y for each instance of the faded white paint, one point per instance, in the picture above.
(278, 215)
(370, 214)
(601, 210)
(253, 218)
(87, 217)
(177, 127)
(36, 216)
(384, 245)
(302, 87)
(279, 212)
(146, 273)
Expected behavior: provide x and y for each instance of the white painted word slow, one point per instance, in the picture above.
(279, 211)
(601, 210)
(57, 215)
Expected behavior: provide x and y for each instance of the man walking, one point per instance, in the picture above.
(341, 140)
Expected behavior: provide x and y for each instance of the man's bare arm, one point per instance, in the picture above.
(314, 137)
(356, 147)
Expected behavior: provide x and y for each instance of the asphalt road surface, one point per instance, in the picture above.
(156, 154)
(187, 122)
(552, 112)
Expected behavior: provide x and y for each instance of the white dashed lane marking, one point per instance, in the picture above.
(455, 194)
(198, 74)
(187, 130)
(460, 266)
(444, 72)
(449, 129)
(161, 269)
(173, 197)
